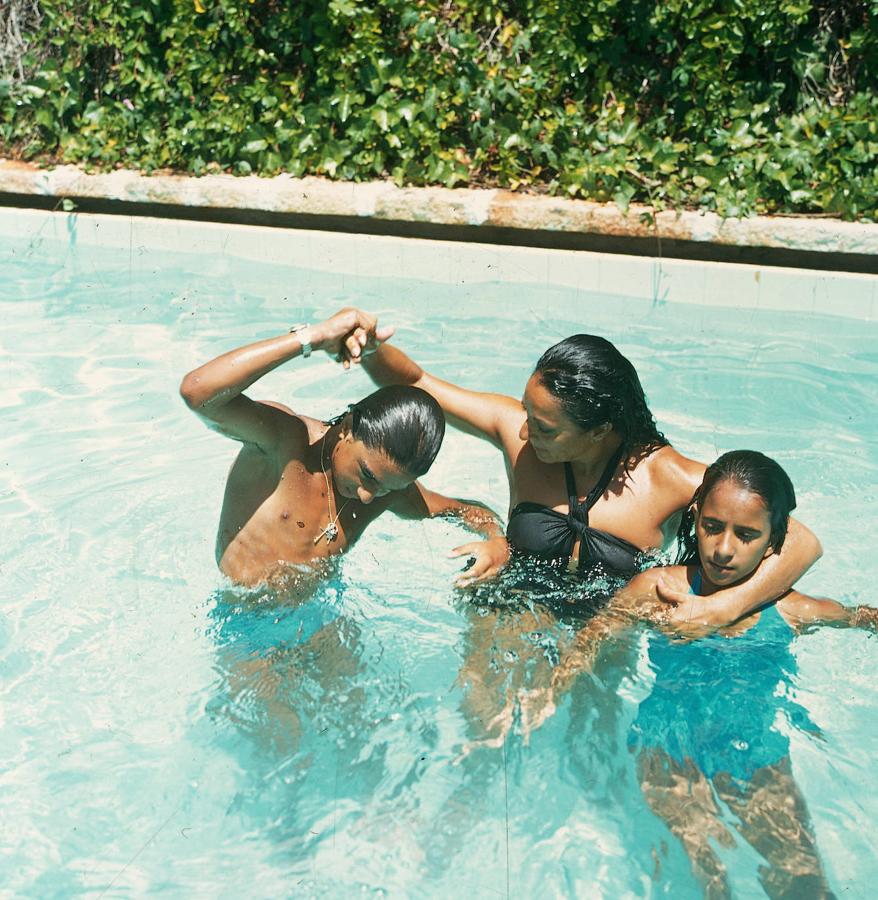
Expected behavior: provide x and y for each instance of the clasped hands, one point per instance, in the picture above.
(350, 334)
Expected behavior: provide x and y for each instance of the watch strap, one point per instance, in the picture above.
(303, 332)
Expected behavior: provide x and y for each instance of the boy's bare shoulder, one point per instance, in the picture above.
(297, 431)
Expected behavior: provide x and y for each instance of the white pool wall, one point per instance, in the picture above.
(662, 280)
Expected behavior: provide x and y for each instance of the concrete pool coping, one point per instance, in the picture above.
(477, 215)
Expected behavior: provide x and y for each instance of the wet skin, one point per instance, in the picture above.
(733, 530)
(276, 505)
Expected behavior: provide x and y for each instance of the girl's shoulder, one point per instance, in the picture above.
(643, 587)
(800, 609)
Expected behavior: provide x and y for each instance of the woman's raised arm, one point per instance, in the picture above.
(492, 416)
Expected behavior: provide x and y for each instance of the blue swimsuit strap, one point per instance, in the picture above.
(696, 583)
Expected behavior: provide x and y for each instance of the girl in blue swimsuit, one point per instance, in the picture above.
(708, 734)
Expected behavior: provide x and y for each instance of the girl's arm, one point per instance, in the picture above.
(799, 609)
(636, 601)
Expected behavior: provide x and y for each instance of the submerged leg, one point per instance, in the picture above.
(502, 658)
(774, 821)
(681, 795)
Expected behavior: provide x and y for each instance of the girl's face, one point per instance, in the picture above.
(733, 530)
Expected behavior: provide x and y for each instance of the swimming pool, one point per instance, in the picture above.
(159, 735)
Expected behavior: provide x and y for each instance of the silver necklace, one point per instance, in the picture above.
(331, 530)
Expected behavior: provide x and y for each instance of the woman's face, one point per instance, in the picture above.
(553, 436)
(733, 530)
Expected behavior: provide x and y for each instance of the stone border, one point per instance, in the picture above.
(345, 204)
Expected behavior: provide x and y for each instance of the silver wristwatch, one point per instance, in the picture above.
(303, 330)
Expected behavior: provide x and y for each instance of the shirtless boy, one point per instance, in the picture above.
(301, 491)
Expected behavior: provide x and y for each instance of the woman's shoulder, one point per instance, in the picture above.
(667, 469)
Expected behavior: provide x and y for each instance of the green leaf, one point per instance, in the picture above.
(344, 107)
(622, 197)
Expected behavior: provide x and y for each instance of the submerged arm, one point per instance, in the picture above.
(637, 600)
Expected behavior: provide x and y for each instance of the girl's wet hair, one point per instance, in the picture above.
(596, 384)
(403, 422)
(755, 472)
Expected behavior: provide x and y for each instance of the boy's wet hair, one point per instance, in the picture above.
(596, 385)
(755, 472)
(404, 423)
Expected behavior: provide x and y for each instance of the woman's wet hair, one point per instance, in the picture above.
(403, 422)
(596, 385)
(754, 472)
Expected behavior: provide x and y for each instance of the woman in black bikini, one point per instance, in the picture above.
(592, 480)
(606, 392)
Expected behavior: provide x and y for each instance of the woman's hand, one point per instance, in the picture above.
(685, 612)
(349, 335)
(489, 557)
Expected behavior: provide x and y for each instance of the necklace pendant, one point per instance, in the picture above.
(331, 532)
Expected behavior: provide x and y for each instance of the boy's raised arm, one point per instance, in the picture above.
(215, 390)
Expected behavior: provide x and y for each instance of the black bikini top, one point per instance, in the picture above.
(542, 531)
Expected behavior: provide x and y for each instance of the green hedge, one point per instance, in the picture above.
(742, 106)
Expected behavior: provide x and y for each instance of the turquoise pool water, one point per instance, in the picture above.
(161, 735)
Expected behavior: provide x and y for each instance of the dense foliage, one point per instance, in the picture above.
(736, 105)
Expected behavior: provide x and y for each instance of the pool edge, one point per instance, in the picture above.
(462, 215)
